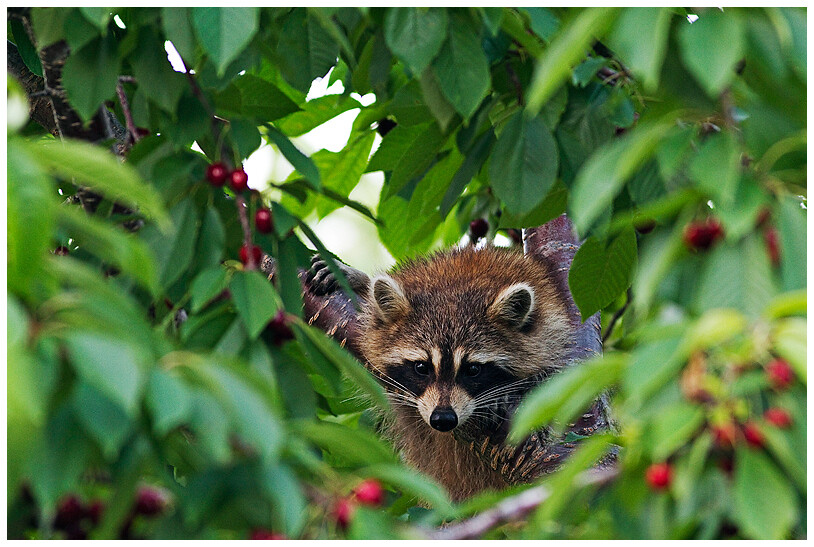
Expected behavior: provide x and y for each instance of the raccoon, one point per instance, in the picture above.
(452, 337)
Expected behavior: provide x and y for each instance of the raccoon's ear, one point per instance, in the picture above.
(513, 305)
(389, 302)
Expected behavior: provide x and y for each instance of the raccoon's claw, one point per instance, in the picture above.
(322, 281)
(319, 277)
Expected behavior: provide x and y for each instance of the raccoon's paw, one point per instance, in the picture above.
(320, 279)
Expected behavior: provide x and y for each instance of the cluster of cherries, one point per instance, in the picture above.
(217, 174)
(75, 518)
(369, 493)
(780, 375)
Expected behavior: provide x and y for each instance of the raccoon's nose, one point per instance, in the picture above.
(443, 419)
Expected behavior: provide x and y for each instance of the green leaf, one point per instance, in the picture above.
(416, 157)
(104, 420)
(344, 173)
(99, 16)
(469, 168)
(711, 47)
(174, 251)
(48, 25)
(169, 401)
(566, 394)
(314, 113)
(111, 245)
(290, 505)
(211, 239)
(543, 22)
(415, 35)
(524, 163)
(434, 98)
(59, 457)
(567, 48)
(639, 37)
(153, 72)
(552, 206)
(347, 364)
(263, 101)
(793, 251)
(462, 68)
(250, 413)
(736, 277)
(304, 50)
(90, 75)
(764, 504)
(30, 222)
(24, 46)
(716, 167)
(672, 429)
(225, 32)
(599, 274)
(302, 163)
(354, 446)
(111, 366)
(586, 70)
(652, 365)
(413, 483)
(255, 300)
(101, 172)
(603, 175)
(176, 22)
(207, 285)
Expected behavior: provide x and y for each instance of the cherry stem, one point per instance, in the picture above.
(240, 201)
(128, 115)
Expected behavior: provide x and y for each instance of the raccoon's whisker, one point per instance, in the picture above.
(389, 380)
(511, 386)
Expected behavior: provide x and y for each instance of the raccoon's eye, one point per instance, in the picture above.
(421, 368)
(473, 369)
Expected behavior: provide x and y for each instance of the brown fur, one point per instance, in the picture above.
(457, 299)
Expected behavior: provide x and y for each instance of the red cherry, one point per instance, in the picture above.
(257, 254)
(262, 219)
(216, 174)
(69, 511)
(61, 250)
(343, 512)
(659, 476)
(95, 510)
(702, 235)
(238, 180)
(754, 436)
(150, 501)
(280, 329)
(778, 417)
(261, 533)
(142, 132)
(772, 239)
(478, 228)
(724, 435)
(370, 492)
(779, 373)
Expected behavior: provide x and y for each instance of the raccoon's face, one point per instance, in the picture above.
(454, 351)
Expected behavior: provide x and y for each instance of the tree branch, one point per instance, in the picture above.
(516, 507)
